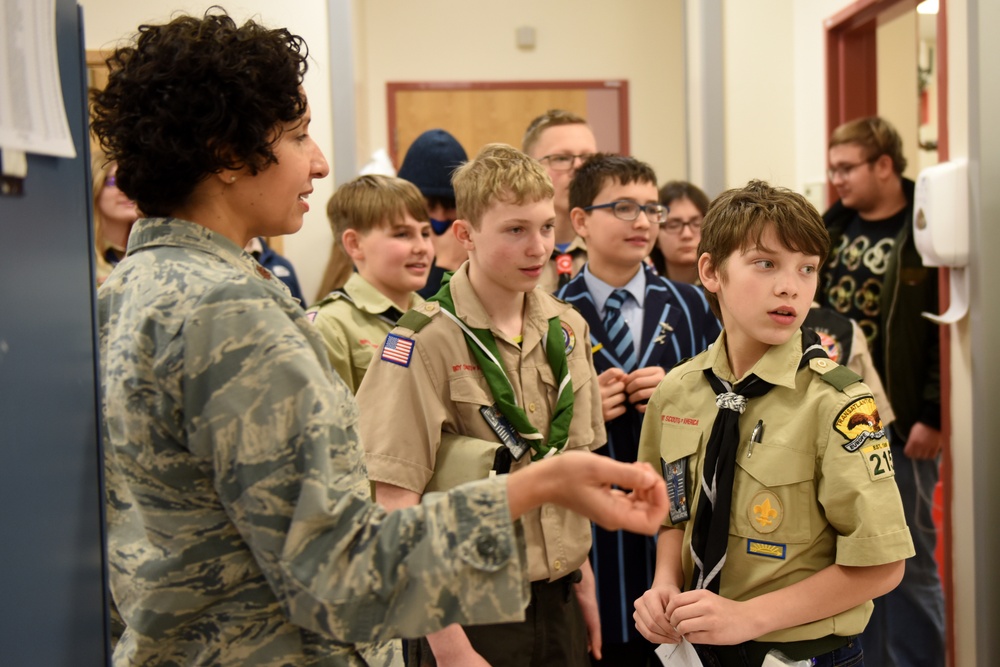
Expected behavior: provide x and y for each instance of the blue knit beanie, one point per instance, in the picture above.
(430, 161)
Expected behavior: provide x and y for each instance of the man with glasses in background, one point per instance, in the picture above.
(875, 276)
(561, 141)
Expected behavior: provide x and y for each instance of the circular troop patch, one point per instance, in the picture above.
(569, 338)
(765, 512)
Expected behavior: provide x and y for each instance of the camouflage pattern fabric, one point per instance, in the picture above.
(239, 526)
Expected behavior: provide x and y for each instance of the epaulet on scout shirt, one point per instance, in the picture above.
(841, 377)
(330, 298)
(417, 318)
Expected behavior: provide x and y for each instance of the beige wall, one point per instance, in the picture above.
(455, 40)
(896, 44)
(759, 112)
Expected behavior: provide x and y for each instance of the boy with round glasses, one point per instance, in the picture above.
(561, 141)
(641, 325)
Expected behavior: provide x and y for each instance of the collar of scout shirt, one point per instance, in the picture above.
(778, 365)
(153, 232)
(368, 299)
(539, 308)
(578, 243)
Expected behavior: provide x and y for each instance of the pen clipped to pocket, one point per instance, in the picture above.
(755, 437)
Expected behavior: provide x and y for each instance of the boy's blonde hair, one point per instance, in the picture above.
(373, 201)
(737, 219)
(500, 173)
(551, 118)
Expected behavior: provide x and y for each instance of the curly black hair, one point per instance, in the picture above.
(192, 97)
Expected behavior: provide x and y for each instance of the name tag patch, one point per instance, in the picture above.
(766, 549)
(878, 458)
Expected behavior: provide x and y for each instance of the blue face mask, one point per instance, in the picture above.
(440, 226)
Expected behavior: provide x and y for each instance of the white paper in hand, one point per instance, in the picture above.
(678, 655)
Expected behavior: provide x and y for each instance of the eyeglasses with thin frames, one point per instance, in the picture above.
(628, 211)
(563, 162)
(677, 226)
(844, 170)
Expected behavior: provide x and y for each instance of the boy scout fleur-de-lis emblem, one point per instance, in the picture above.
(764, 513)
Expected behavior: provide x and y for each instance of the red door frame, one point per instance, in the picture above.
(851, 92)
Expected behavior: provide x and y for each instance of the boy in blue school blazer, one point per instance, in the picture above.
(641, 325)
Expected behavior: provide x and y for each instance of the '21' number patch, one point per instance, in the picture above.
(878, 458)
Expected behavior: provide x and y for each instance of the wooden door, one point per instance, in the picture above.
(480, 113)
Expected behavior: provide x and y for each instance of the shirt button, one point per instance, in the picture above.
(429, 306)
(557, 565)
(531, 407)
(821, 363)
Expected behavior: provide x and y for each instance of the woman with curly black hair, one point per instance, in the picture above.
(240, 528)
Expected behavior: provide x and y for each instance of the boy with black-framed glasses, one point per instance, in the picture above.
(641, 325)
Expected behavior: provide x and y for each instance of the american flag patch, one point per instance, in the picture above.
(397, 349)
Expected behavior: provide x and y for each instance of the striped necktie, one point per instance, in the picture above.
(618, 332)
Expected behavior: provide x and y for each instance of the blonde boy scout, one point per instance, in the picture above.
(428, 383)
(809, 522)
(381, 223)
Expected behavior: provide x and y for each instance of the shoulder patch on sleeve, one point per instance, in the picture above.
(859, 422)
(833, 373)
(397, 349)
(417, 318)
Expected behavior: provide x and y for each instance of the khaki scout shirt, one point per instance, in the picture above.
(405, 409)
(577, 250)
(801, 500)
(353, 328)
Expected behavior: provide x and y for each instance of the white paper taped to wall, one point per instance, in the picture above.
(32, 112)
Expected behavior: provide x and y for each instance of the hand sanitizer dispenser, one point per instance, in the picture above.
(941, 229)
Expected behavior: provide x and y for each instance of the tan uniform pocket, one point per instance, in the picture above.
(773, 493)
(469, 394)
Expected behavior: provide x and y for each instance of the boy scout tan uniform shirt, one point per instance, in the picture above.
(353, 328)
(801, 501)
(405, 409)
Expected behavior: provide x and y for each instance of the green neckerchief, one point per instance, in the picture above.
(484, 348)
